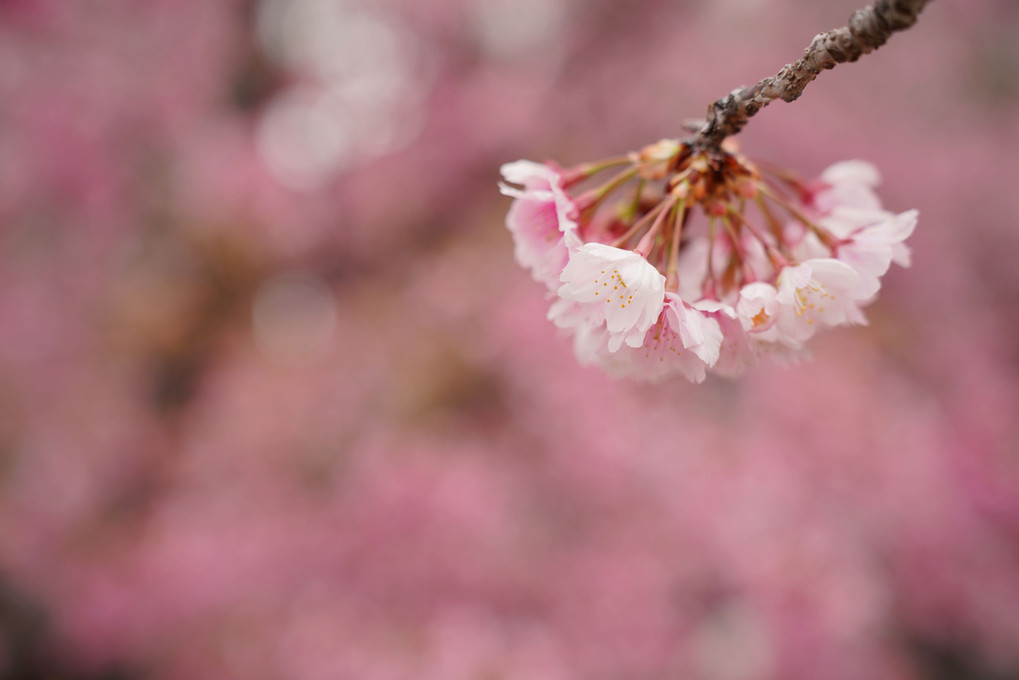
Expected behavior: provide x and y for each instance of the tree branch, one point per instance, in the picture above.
(868, 29)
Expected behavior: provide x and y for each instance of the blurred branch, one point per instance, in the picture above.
(868, 29)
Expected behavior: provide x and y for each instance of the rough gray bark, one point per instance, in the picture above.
(868, 29)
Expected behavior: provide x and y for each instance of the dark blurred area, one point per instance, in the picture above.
(276, 401)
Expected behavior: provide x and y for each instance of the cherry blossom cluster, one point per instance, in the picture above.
(689, 259)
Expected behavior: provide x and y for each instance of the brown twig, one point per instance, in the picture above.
(868, 29)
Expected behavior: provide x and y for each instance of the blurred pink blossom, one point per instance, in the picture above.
(258, 429)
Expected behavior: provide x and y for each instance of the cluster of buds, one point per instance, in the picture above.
(692, 258)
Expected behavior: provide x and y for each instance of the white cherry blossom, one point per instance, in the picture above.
(617, 287)
(683, 342)
(815, 294)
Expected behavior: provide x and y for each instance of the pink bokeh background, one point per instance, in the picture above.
(276, 402)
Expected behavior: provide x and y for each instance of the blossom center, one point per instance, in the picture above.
(606, 278)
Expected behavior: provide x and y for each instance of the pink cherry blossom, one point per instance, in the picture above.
(756, 306)
(737, 349)
(539, 219)
(849, 184)
(871, 249)
(683, 341)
